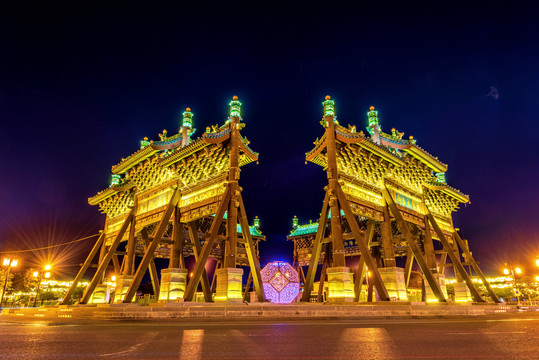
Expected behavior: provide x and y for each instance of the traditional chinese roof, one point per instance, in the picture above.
(163, 155)
(301, 230)
(403, 160)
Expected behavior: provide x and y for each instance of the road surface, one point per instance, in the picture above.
(509, 336)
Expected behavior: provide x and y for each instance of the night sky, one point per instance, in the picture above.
(80, 87)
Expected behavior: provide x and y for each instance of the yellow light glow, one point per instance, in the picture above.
(47, 275)
(113, 278)
(35, 274)
(506, 271)
(6, 261)
(518, 270)
(537, 262)
(14, 263)
(47, 267)
(537, 278)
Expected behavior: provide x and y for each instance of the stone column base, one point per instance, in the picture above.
(101, 294)
(122, 285)
(430, 295)
(340, 284)
(229, 285)
(462, 293)
(393, 278)
(173, 284)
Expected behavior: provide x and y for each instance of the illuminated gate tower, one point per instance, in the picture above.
(174, 198)
(386, 197)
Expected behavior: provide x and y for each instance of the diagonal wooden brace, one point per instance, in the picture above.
(476, 268)
(315, 251)
(83, 269)
(206, 249)
(254, 262)
(193, 234)
(369, 233)
(434, 285)
(454, 258)
(148, 255)
(106, 259)
(363, 248)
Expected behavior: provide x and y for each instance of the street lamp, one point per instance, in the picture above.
(510, 270)
(8, 263)
(40, 275)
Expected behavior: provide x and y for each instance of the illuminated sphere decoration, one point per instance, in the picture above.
(281, 282)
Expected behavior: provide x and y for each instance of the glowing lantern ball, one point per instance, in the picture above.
(281, 282)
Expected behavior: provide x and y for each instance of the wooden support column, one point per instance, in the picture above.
(315, 252)
(155, 278)
(428, 245)
(476, 268)
(83, 268)
(434, 285)
(323, 275)
(116, 264)
(363, 248)
(193, 234)
(408, 267)
(131, 244)
(148, 256)
(441, 266)
(177, 241)
(369, 233)
(455, 259)
(98, 276)
(250, 249)
(206, 249)
(247, 286)
(387, 240)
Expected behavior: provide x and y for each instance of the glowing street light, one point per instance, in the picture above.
(8, 263)
(510, 270)
(45, 273)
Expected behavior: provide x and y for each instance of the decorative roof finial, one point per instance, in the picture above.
(187, 118)
(144, 142)
(115, 180)
(235, 107)
(256, 222)
(329, 106)
(295, 222)
(374, 125)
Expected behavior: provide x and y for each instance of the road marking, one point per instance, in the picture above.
(134, 348)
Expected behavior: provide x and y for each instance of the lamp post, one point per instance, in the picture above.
(513, 271)
(8, 263)
(40, 275)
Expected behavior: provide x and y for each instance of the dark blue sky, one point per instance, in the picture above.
(79, 87)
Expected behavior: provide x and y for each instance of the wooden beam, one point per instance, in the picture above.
(206, 249)
(454, 259)
(408, 267)
(476, 268)
(155, 278)
(148, 256)
(315, 251)
(434, 285)
(131, 243)
(247, 286)
(442, 264)
(361, 264)
(106, 258)
(116, 264)
(362, 245)
(84, 267)
(193, 234)
(323, 275)
(250, 249)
